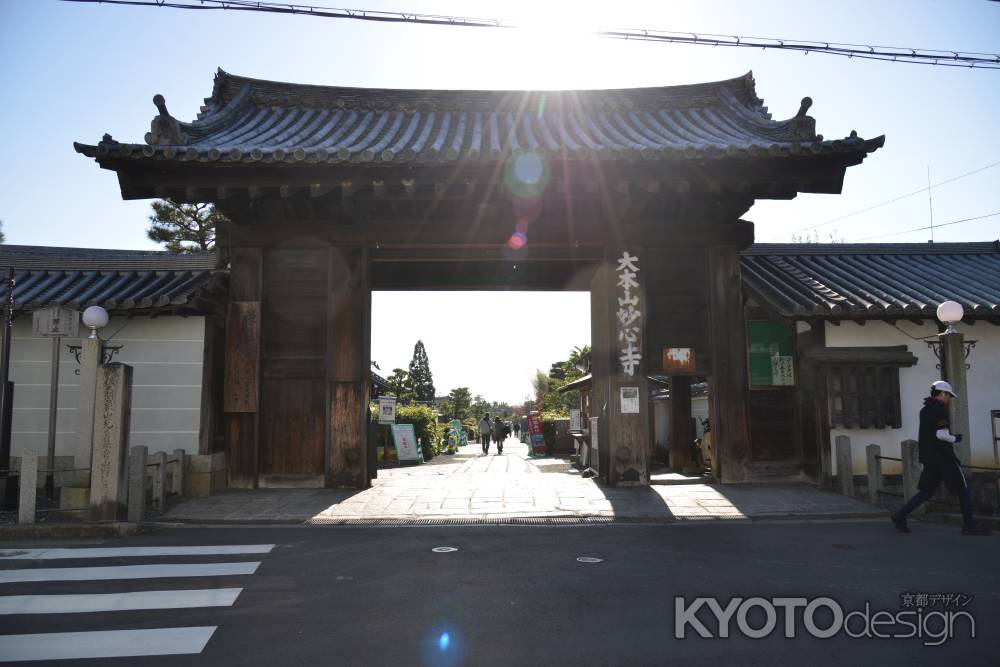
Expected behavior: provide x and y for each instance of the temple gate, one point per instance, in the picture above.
(633, 194)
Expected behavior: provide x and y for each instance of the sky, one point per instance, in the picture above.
(71, 72)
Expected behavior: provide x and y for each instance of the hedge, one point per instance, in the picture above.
(425, 426)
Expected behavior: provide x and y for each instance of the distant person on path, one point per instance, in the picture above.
(941, 464)
(498, 434)
(517, 430)
(485, 426)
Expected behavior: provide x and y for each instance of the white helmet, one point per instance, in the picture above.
(941, 385)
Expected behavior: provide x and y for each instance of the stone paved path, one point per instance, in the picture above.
(470, 486)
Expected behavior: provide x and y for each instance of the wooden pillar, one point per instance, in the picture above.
(348, 368)
(729, 390)
(619, 368)
(211, 380)
(241, 388)
(681, 433)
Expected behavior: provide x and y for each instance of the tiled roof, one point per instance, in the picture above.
(874, 281)
(250, 120)
(118, 280)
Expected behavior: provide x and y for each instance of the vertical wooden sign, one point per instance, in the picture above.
(242, 357)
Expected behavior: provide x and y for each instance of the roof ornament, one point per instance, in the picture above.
(804, 127)
(164, 130)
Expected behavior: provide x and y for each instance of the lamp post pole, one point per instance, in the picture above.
(953, 370)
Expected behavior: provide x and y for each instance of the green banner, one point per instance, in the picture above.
(770, 354)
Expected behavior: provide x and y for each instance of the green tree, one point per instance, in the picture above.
(401, 386)
(561, 373)
(3, 237)
(184, 228)
(421, 378)
(460, 403)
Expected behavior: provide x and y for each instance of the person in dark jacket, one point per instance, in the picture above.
(941, 464)
(498, 434)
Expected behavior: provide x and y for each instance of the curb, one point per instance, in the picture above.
(67, 531)
(565, 520)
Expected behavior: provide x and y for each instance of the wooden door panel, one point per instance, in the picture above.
(292, 426)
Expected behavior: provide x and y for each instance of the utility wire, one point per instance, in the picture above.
(919, 229)
(887, 202)
(861, 51)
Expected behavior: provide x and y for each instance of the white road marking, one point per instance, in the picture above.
(127, 572)
(131, 552)
(75, 604)
(104, 643)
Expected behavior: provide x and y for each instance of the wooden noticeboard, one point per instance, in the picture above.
(770, 354)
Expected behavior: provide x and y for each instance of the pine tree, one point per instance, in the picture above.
(184, 227)
(420, 373)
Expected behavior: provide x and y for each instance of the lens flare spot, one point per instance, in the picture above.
(526, 174)
(517, 240)
(444, 641)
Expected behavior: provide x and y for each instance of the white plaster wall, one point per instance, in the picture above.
(914, 385)
(166, 356)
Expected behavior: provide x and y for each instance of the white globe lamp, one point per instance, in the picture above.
(950, 313)
(95, 317)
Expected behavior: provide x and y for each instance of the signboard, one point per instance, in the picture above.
(56, 321)
(628, 316)
(630, 400)
(770, 349)
(575, 423)
(535, 434)
(678, 360)
(387, 410)
(405, 440)
(592, 461)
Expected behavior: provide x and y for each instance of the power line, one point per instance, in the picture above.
(919, 229)
(886, 202)
(921, 56)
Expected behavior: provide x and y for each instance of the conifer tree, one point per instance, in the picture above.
(420, 373)
(184, 227)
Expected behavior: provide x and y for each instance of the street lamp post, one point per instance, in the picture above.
(953, 354)
(94, 317)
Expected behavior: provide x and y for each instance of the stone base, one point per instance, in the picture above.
(206, 474)
(71, 498)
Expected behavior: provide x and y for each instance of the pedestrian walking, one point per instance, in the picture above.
(498, 434)
(485, 427)
(941, 464)
(517, 429)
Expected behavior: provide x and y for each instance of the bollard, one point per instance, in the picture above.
(160, 480)
(872, 454)
(845, 466)
(137, 483)
(29, 479)
(178, 477)
(911, 468)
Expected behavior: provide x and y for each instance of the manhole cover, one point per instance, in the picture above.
(444, 550)
(589, 559)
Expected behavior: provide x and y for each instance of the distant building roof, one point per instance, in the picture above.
(874, 281)
(118, 280)
(251, 120)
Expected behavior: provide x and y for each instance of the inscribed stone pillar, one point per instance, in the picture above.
(348, 373)
(621, 393)
(90, 360)
(729, 388)
(109, 474)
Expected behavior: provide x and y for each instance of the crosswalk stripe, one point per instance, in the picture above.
(126, 552)
(128, 572)
(105, 643)
(75, 604)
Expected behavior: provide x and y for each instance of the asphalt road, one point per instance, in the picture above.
(516, 595)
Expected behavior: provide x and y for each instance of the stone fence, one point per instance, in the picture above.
(893, 490)
(151, 479)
